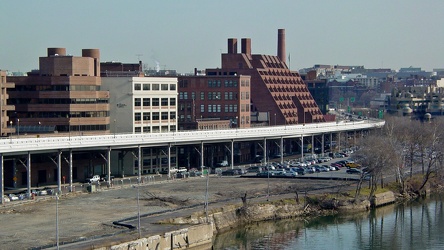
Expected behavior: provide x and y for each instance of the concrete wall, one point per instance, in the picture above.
(383, 199)
(194, 237)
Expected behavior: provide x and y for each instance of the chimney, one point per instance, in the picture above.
(281, 45)
(232, 46)
(246, 46)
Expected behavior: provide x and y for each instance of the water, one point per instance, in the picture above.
(418, 225)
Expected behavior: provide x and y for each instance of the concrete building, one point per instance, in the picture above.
(63, 96)
(6, 127)
(274, 88)
(141, 105)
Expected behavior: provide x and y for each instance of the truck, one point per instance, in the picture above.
(95, 178)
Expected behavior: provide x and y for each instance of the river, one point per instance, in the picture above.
(416, 225)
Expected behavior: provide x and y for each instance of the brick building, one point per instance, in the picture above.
(6, 127)
(275, 89)
(62, 96)
(214, 102)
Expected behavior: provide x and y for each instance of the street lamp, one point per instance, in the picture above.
(115, 128)
(10, 134)
(18, 127)
(274, 119)
(237, 121)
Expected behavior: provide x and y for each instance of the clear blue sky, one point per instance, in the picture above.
(192, 33)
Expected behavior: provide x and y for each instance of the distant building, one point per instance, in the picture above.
(62, 96)
(274, 88)
(6, 127)
(142, 104)
(214, 102)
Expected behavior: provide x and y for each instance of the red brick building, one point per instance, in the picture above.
(274, 88)
(214, 102)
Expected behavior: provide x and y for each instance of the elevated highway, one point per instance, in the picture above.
(27, 146)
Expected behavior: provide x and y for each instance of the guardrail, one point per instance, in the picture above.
(20, 145)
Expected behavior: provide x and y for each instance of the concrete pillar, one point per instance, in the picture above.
(2, 181)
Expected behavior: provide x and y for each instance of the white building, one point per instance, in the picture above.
(142, 105)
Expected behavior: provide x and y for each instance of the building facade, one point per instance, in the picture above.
(63, 96)
(142, 105)
(6, 127)
(214, 102)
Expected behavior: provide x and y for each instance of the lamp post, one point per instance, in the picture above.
(115, 128)
(274, 119)
(18, 127)
(237, 122)
(10, 134)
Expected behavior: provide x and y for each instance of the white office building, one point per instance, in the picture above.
(142, 105)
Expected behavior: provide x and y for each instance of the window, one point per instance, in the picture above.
(155, 116)
(146, 102)
(218, 108)
(137, 102)
(202, 95)
(164, 115)
(137, 86)
(164, 86)
(146, 86)
(202, 108)
(185, 95)
(164, 102)
(172, 86)
(137, 129)
(156, 86)
(180, 95)
(155, 102)
(172, 101)
(210, 108)
(226, 108)
(193, 95)
(172, 115)
(137, 117)
(146, 116)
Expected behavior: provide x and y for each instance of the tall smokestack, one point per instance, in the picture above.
(281, 45)
(246, 46)
(232, 46)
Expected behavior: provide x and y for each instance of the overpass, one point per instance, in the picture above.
(27, 146)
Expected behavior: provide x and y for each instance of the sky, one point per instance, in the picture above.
(188, 34)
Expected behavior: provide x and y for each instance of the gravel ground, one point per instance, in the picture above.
(25, 225)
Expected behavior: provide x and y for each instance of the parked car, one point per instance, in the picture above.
(352, 165)
(233, 172)
(353, 171)
(265, 174)
(104, 177)
(6, 198)
(290, 173)
(13, 197)
(95, 178)
(254, 169)
(300, 171)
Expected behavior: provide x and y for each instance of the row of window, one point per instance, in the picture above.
(216, 108)
(217, 83)
(148, 102)
(154, 86)
(79, 114)
(215, 95)
(59, 101)
(154, 129)
(56, 88)
(155, 116)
